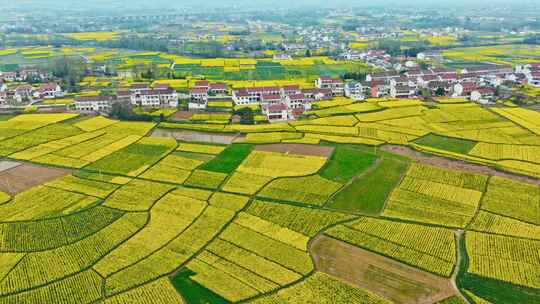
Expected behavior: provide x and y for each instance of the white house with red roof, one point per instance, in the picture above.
(198, 98)
(218, 89)
(50, 90)
(276, 112)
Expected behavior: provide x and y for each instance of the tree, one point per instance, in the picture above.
(440, 92)
(246, 116)
(308, 53)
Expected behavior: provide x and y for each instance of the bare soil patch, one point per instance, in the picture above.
(26, 176)
(388, 278)
(182, 115)
(301, 149)
(459, 165)
(7, 164)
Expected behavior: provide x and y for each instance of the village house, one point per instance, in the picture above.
(86, 104)
(335, 84)
(9, 76)
(3, 98)
(463, 89)
(298, 101)
(155, 98)
(198, 98)
(218, 89)
(355, 91)
(276, 112)
(318, 94)
(402, 91)
(483, 95)
(137, 88)
(49, 91)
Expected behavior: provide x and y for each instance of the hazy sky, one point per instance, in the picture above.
(424, 3)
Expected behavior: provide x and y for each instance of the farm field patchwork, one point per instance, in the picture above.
(96, 210)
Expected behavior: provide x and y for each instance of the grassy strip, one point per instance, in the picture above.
(455, 145)
(348, 161)
(193, 292)
(368, 194)
(228, 160)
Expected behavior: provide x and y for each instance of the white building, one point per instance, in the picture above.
(335, 84)
(93, 103)
(50, 90)
(155, 98)
(355, 91)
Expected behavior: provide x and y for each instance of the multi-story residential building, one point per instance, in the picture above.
(155, 98)
(198, 98)
(335, 84)
(355, 91)
(93, 103)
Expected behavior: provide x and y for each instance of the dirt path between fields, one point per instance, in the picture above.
(455, 164)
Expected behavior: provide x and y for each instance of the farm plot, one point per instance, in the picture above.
(307, 221)
(83, 186)
(176, 252)
(159, 291)
(369, 193)
(260, 167)
(171, 215)
(498, 224)
(253, 256)
(205, 179)
(136, 158)
(504, 258)
(512, 199)
(383, 276)
(37, 137)
(526, 118)
(44, 202)
(313, 190)
(502, 152)
(24, 177)
(137, 195)
(39, 268)
(428, 248)
(436, 196)
(29, 235)
(172, 169)
(95, 123)
(201, 148)
(321, 288)
(271, 137)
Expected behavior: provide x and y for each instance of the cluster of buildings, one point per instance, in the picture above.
(138, 94)
(29, 94)
(203, 90)
(287, 102)
(530, 72)
(478, 83)
(25, 75)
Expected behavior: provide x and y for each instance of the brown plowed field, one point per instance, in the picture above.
(25, 176)
(386, 277)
